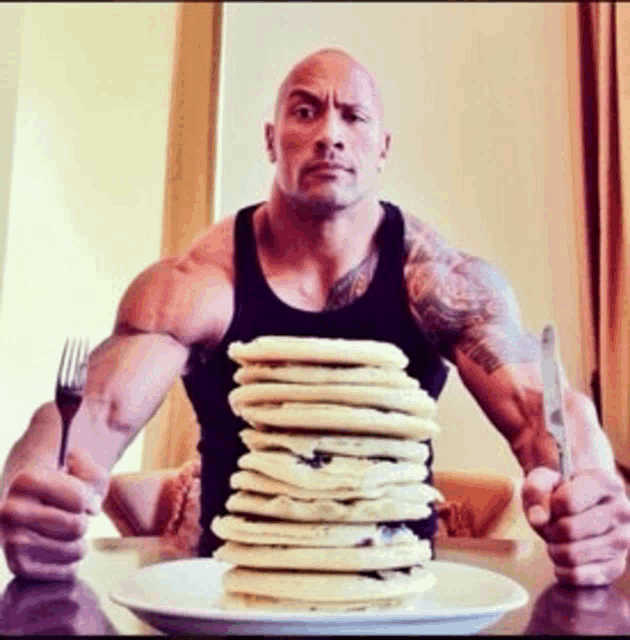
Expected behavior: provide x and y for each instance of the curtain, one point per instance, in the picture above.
(599, 78)
(172, 434)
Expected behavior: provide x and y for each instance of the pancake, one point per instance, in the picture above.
(318, 350)
(330, 471)
(241, 601)
(358, 446)
(415, 402)
(341, 419)
(286, 508)
(325, 374)
(328, 586)
(324, 558)
(259, 483)
(298, 534)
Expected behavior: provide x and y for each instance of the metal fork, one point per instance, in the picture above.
(70, 387)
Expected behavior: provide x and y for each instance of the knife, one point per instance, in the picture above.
(553, 398)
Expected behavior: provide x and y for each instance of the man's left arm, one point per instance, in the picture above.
(472, 315)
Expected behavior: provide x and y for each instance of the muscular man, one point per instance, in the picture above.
(322, 256)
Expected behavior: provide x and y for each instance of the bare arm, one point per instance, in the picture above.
(127, 377)
(43, 511)
(470, 313)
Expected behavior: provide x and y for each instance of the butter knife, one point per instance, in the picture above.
(553, 399)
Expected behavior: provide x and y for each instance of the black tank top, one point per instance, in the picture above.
(381, 313)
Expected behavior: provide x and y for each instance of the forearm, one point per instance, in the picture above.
(101, 430)
(534, 447)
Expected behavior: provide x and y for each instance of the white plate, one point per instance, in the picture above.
(181, 596)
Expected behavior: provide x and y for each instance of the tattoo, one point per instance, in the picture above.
(491, 352)
(353, 284)
(462, 302)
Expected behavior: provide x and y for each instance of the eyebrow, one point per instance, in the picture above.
(314, 100)
(304, 95)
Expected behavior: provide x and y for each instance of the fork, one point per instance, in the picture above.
(70, 387)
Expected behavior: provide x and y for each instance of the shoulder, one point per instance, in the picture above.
(187, 296)
(451, 291)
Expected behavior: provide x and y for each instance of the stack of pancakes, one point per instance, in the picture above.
(336, 464)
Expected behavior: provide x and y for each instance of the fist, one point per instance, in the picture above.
(585, 521)
(44, 517)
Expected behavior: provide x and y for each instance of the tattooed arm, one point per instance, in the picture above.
(469, 311)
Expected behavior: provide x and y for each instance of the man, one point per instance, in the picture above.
(321, 257)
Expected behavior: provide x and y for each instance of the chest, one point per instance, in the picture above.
(319, 287)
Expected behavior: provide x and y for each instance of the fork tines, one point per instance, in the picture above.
(72, 364)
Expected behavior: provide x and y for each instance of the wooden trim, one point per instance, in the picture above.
(171, 436)
(587, 347)
(189, 193)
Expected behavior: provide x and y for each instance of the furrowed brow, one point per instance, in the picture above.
(307, 96)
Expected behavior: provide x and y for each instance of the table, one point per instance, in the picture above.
(83, 607)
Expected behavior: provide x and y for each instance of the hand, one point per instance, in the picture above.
(43, 517)
(584, 520)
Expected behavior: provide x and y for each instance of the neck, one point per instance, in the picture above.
(299, 233)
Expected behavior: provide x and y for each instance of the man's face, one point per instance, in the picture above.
(328, 139)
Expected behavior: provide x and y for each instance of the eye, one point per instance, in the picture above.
(304, 112)
(353, 116)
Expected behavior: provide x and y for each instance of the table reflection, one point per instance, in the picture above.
(52, 608)
(585, 611)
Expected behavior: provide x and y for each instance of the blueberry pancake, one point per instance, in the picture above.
(259, 483)
(317, 350)
(366, 558)
(330, 471)
(327, 510)
(250, 530)
(308, 445)
(338, 418)
(416, 402)
(325, 374)
(328, 586)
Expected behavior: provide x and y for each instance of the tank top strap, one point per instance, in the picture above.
(388, 282)
(390, 238)
(248, 275)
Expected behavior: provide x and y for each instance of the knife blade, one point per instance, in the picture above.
(553, 398)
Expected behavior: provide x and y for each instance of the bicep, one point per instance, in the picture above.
(128, 376)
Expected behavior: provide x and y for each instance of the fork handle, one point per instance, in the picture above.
(68, 409)
(63, 446)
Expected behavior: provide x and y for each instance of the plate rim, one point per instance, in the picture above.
(520, 598)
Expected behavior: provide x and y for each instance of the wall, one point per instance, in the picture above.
(476, 100)
(86, 187)
(11, 21)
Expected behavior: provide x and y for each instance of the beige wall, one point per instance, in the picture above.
(86, 187)
(476, 99)
(11, 21)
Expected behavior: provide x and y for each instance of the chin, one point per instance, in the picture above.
(324, 203)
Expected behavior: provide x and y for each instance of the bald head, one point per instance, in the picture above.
(327, 137)
(328, 60)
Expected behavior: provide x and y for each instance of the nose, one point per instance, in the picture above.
(330, 134)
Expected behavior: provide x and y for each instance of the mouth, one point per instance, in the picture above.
(327, 167)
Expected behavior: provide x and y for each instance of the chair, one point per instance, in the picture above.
(478, 504)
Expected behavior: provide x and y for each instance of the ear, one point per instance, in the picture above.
(269, 131)
(384, 149)
(386, 142)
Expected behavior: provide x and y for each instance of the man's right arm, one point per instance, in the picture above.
(43, 509)
(127, 378)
